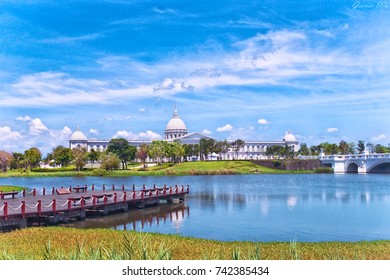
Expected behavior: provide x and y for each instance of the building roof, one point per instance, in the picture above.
(176, 123)
(78, 136)
(289, 137)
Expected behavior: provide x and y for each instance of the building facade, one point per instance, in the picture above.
(176, 130)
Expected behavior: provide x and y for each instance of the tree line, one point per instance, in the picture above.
(120, 153)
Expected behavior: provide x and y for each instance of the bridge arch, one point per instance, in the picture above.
(352, 167)
(381, 167)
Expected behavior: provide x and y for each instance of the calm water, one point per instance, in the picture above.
(305, 207)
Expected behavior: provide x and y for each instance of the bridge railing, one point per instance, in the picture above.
(82, 202)
(354, 156)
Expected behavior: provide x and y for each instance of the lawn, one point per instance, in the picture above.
(69, 243)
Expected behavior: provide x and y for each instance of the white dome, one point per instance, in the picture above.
(175, 127)
(176, 123)
(78, 136)
(289, 137)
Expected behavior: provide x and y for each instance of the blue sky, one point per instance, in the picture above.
(235, 69)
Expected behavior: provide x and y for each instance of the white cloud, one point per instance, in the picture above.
(379, 137)
(37, 127)
(94, 131)
(8, 135)
(141, 110)
(163, 11)
(59, 136)
(227, 127)
(24, 119)
(332, 129)
(148, 135)
(125, 134)
(206, 132)
(263, 121)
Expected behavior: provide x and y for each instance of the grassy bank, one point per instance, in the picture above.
(10, 188)
(69, 243)
(184, 168)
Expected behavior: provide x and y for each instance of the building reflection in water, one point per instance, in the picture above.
(138, 219)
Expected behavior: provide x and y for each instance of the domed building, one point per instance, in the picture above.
(78, 139)
(175, 128)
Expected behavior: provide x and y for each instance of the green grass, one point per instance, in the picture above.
(11, 188)
(107, 244)
(184, 168)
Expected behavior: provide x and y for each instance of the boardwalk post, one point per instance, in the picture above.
(54, 205)
(93, 187)
(154, 186)
(123, 187)
(113, 187)
(124, 197)
(23, 208)
(24, 193)
(5, 209)
(134, 195)
(94, 200)
(182, 189)
(105, 199)
(69, 204)
(39, 207)
(177, 189)
(150, 194)
(133, 188)
(142, 196)
(115, 198)
(82, 202)
(188, 189)
(104, 187)
(144, 187)
(52, 190)
(170, 191)
(34, 192)
(44, 191)
(165, 191)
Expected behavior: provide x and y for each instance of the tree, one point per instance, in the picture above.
(80, 157)
(380, 149)
(237, 145)
(206, 146)
(361, 147)
(62, 155)
(223, 147)
(32, 157)
(93, 155)
(177, 151)
(142, 153)
(17, 160)
(110, 161)
(123, 150)
(156, 150)
(344, 148)
(304, 150)
(331, 149)
(5, 160)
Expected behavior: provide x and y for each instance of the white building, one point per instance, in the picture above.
(176, 130)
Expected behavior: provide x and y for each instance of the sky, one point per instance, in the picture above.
(248, 70)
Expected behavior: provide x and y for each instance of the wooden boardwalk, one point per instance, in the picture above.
(75, 203)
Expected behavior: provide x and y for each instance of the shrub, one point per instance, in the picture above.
(99, 172)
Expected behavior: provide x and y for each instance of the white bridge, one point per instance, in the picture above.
(359, 163)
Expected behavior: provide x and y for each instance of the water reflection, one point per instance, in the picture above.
(138, 219)
(211, 201)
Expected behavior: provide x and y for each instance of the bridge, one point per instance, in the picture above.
(359, 163)
(49, 207)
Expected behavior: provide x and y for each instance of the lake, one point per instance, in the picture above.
(302, 207)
